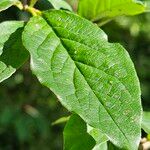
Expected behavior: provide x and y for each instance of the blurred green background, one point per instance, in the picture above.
(27, 108)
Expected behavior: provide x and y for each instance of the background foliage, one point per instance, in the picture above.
(27, 109)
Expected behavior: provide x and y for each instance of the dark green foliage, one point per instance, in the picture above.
(26, 112)
(89, 75)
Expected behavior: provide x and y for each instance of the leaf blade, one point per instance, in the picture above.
(6, 29)
(12, 52)
(64, 67)
(146, 122)
(58, 4)
(99, 137)
(76, 136)
(103, 11)
(4, 4)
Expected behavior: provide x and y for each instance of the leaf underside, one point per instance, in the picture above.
(90, 76)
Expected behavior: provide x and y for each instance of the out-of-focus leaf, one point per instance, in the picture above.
(61, 120)
(23, 125)
(73, 4)
(58, 4)
(146, 122)
(4, 4)
(33, 2)
(102, 11)
(76, 136)
(6, 116)
(12, 52)
(90, 76)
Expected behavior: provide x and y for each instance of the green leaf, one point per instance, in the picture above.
(100, 138)
(102, 11)
(58, 4)
(12, 52)
(101, 146)
(6, 29)
(97, 135)
(4, 4)
(110, 146)
(76, 136)
(61, 120)
(72, 127)
(146, 122)
(90, 76)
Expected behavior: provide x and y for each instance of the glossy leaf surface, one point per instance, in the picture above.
(90, 76)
